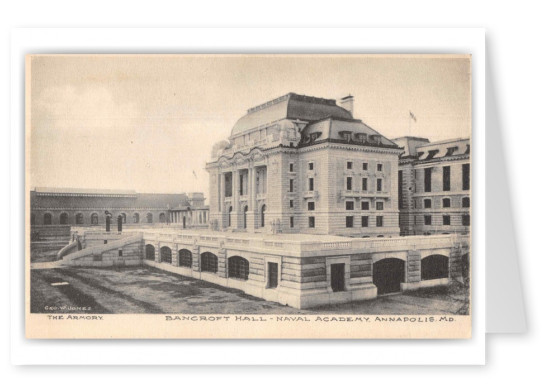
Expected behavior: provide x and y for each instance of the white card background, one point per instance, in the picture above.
(251, 352)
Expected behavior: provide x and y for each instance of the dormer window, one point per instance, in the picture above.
(362, 137)
(375, 138)
(346, 135)
(314, 136)
(451, 151)
(432, 153)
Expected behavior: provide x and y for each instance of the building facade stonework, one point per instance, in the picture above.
(434, 186)
(300, 164)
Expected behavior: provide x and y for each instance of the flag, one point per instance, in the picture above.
(413, 116)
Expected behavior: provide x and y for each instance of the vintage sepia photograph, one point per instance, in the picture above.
(248, 196)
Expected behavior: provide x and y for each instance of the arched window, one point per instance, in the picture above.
(245, 210)
(238, 267)
(136, 218)
(185, 258)
(209, 262)
(64, 219)
(166, 254)
(79, 218)
(229, 216)
(123, 216)
(263, 215)
(150, 252)
(149, 218)
(47, 219)
(94, 219)
(162, 218)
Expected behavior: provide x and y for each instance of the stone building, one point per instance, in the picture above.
(434, 186)
(90, 207)
(301, 164)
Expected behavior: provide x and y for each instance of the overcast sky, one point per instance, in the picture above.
(146, 123)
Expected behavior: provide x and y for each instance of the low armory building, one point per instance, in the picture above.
(54, 207)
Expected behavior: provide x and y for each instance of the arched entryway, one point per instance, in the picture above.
(136, 218)
(238, 267)
(162, 218)
(47, 219)
(64, 219)
(94, 219)
(166, 254)
(79, 218)
(185, 258)
(149, 218)
(434, 267)
(388, 273)
(123, 217)
(209, 262)
(150, 252)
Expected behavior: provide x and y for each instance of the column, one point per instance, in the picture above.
(251, 223)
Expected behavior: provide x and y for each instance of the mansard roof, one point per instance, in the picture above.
(352, 131)
(291, 106)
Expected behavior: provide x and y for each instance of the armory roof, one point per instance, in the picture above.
(291, 106)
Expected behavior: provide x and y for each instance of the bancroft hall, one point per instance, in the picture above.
(307, 206)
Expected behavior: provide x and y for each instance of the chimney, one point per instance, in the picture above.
(347, 103)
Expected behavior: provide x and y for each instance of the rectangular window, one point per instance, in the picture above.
(379, 205)
(379, 221)
(228, 184)
(379, 184)
(349, 221)
(428, 219)
(349, 205)
(272, 275)
(365, 221)
(291, 183)
(364, 184)
(446, 178)
(466, 176)
(445, 220)
(311, 222)
(311, 166)
(427, 203)
(311, 184)
(291, 204)
(349, 183)
(291, 221)
(379, 167)
(291, 167)
(446, 203)
(240, 184)
(120, 253)
(466, 220)
(400, 190)
(465, 202)
(364, 166)
(365, 205)
(428, 180)
(311, 205)
(349, 165)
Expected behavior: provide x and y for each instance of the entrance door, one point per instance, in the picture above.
(337, 277)
(388, 274)
(272, 275)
